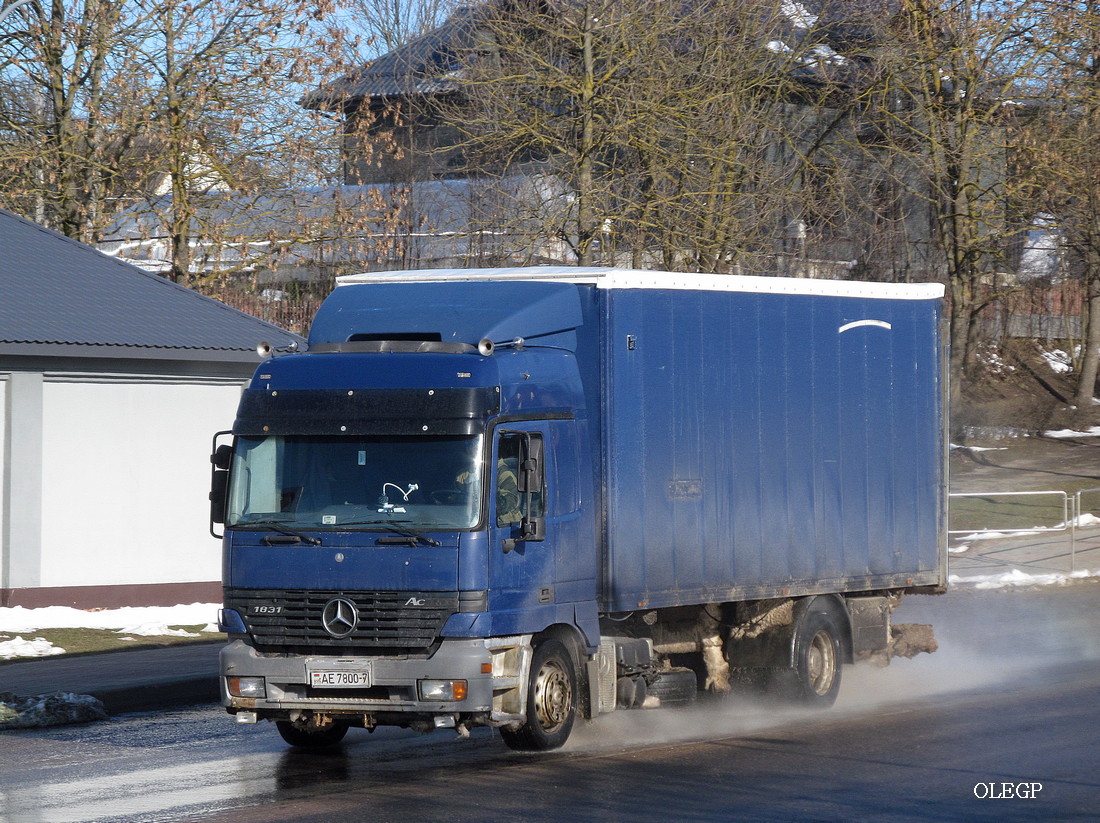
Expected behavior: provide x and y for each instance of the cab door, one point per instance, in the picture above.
(522, 538)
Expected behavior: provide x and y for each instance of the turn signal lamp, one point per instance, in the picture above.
(246, 686)
(450, 691)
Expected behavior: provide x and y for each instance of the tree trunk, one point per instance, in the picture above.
(1090, 363)
(179, 221)
(586, 228)
(960, 342)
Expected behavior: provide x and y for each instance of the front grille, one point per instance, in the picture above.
(387, 622)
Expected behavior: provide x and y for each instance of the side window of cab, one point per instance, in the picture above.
(520, 489)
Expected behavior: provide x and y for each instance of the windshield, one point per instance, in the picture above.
(369, 483)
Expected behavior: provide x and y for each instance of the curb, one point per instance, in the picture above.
(171, 695)
(124, 681)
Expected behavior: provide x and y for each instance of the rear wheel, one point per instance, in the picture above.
(305, 739)
(551, 701)
(815, 679)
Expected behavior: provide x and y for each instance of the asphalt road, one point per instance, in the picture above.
(1008, 705)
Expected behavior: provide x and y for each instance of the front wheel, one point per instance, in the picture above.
(551, 701)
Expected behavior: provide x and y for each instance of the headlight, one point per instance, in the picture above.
(246, 686)
(442, 690)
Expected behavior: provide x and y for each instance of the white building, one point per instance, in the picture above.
(112, 383)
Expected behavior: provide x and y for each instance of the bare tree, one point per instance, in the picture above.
(54, 67)
(1059, 159)
(221, 81)
(950, 78)
(105, 103)
(672, 131)
(388, 24)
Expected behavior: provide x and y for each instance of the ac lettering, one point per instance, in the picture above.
(1005, 791)
(415, 601)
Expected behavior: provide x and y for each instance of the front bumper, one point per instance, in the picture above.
(492, 670)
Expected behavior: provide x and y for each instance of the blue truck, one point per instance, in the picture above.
(523, 497)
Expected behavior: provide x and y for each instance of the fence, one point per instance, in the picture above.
(290, 313)
(1039, 309)
(1073, 516)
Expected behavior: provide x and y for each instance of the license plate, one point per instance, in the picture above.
(339, 679)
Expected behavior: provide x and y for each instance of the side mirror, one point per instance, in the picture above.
(532, 528)
(529, 476)
(530, 482)
(219, 491)
(221, 458)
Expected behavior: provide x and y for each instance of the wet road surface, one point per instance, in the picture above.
(1009, 700)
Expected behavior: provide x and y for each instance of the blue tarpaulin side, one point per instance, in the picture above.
(758, 443)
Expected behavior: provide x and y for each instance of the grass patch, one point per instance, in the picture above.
(1019, 512)
(89, 641)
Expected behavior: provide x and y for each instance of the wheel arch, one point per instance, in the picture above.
(570, 637)
(836, 607)
(778, 647)
(553, 695)
(573, 640)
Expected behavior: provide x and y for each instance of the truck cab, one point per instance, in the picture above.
(403, 518)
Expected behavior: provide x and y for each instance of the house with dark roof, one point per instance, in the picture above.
(399, 114)
(113, 382)
(396, 95)
(394, 129)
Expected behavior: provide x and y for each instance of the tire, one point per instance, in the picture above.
(679, 687)
(551, 701)
(302, 739)
(815, 679)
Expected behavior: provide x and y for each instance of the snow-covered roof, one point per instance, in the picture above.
(615, 278)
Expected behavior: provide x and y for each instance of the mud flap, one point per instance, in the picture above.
(911, 639)
(774, 649)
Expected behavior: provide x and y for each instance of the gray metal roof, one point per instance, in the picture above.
(59, 297)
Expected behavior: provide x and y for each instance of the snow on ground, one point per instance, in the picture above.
(39, 647)
(1059, 361)
(60, 708)
(146, 621)
(1015, 577)
(57, 709)
(1065, 434)
(1081, 521)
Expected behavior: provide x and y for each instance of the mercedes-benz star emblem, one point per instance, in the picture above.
(339, 617)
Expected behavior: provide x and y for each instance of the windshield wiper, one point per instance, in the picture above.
(414, 538)
(278, 526)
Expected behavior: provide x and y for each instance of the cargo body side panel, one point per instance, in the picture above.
(765, 445)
